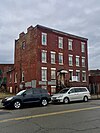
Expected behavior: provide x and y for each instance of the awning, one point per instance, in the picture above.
(64, 71)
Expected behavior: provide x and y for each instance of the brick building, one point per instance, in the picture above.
(50, 59)
(6, 71)
(94, 81)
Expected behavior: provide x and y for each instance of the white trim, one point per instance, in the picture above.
(52, 52)
(77, 70)
(43, 67)
(53, 68)
(70, 70)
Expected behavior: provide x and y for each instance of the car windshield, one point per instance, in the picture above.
(63, 91)
(21, 92)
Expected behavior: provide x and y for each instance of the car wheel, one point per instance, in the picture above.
(85, 99)
(44, 102)
(66, 100)
(17, 104)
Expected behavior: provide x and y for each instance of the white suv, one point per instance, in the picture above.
(72, 94)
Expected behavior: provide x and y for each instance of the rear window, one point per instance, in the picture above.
(80, 89)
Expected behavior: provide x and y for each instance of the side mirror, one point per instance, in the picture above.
(24, 94)
(69, 92)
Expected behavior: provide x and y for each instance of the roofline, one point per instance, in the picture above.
(60, 32)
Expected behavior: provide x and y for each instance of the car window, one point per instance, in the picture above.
(44, 91)
(29, 92)
(21, 92)
(72, 91)
(80, 89)
(83, 89)
(36, 91)
(63, 91)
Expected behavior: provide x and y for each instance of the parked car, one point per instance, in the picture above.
(28, 96)
(71, 94)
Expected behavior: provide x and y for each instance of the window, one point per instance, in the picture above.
(44, 87)
(53, 89)
(44, 56)
(83, 61)
(78, 75)
(15, 77)
(70, 44)
(23, 76)
(70, 60)
(44, 39)
(29, 92)
(44, 73)
(60, 58)
(82, 46)
(60, 42)
(53, 57)
(23, 45)
(53, 73)
(10, 77)
(84, 76)
(77, 60)
(70, 75)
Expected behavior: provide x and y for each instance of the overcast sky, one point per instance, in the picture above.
(77, 17)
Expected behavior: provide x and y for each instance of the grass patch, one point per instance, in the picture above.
(5, 94)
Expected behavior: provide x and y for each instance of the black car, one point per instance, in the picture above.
(28, 96)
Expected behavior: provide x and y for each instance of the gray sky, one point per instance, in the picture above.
(77, 17)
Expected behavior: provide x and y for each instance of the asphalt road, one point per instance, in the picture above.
(61, 118)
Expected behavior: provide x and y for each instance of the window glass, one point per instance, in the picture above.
(60, 58)
(36, 91)
(70, 44)
(29, 92)
(53, 74)
(44, 74)
(77, 61)
(44, 39)
(72, 91)
(83, 47)
(52, 58)
(60, 42)
(70, 60)
(44, 56)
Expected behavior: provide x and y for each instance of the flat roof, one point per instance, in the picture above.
(60, 32)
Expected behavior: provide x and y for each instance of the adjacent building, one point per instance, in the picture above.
(94, 81)
(50, 59)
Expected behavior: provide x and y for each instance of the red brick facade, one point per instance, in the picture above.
(28, 58)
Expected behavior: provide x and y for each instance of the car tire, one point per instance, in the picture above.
(66, 100)
(17, 104)
(85, 99)
(44, 102)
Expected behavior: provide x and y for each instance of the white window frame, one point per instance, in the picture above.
(53, 89)
(44, 73)
(83, 61)
(82, 47)
(70, 60)
(77, 61)
(60, 41)
(44, 56)
(70, 44)
(23, 77)
(53, 54)
(78, 76)
(16, 77)
(70, 76)
(61, 58)
(53, 73)
(84, 76)
(44, 37)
